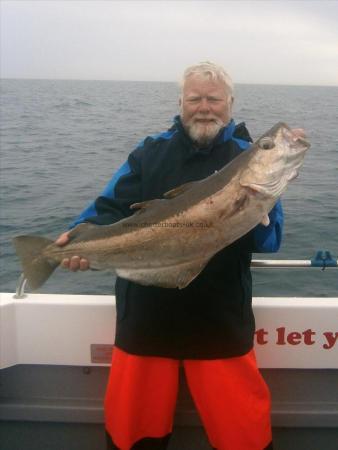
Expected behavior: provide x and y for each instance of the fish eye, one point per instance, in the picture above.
(266, 143)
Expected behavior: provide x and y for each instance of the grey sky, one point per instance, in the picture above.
(286, 42)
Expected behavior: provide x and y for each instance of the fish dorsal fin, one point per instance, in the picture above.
(139, 205)
(146, 204)
(179, 189)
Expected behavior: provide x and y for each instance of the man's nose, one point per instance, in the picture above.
(204, 105)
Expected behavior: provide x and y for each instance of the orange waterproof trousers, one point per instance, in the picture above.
(230, 395)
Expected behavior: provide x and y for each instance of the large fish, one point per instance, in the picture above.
(167, 242)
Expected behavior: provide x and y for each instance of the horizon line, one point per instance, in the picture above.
(163, 81)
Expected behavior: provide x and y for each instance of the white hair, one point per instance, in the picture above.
(210, 71)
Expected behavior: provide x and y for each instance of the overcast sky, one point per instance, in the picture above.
(282, 42)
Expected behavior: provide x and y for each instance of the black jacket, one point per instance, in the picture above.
(212, 317)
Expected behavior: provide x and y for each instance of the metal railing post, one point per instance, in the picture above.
(20, 289)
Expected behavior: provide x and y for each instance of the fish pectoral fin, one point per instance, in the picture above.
(253, 189)
(293, 175)
(179, 189)
(178, 276)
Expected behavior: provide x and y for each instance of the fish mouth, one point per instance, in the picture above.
(296, 139)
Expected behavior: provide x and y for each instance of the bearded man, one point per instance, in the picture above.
(208, 327)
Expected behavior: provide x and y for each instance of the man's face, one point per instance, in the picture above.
(206, 107)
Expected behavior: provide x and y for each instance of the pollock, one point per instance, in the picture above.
(167, 242)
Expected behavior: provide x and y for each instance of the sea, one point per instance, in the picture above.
(61, 141)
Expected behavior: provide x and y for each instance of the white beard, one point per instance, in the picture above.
(202, 133)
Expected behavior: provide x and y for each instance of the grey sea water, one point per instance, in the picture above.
(62, 140)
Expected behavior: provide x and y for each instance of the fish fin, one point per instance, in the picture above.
(293, 175)
(36, 268)
(178, 276)
(146, 204)
(179, 189)
(80, 229)
(142, 206)
(265, 220)
(253, 189)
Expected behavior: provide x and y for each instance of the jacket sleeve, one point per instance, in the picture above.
(268, 239)
(113, 204)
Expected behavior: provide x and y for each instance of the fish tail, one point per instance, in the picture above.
(36, 267)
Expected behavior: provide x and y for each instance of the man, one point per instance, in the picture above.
(208, 325)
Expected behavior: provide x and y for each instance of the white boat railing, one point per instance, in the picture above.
(20, 288)
(322, 260)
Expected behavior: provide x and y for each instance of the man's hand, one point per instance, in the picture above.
(74, 263)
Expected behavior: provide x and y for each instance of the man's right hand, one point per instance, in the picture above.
(74, 263)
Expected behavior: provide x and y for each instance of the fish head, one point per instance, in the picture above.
(275, 160)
